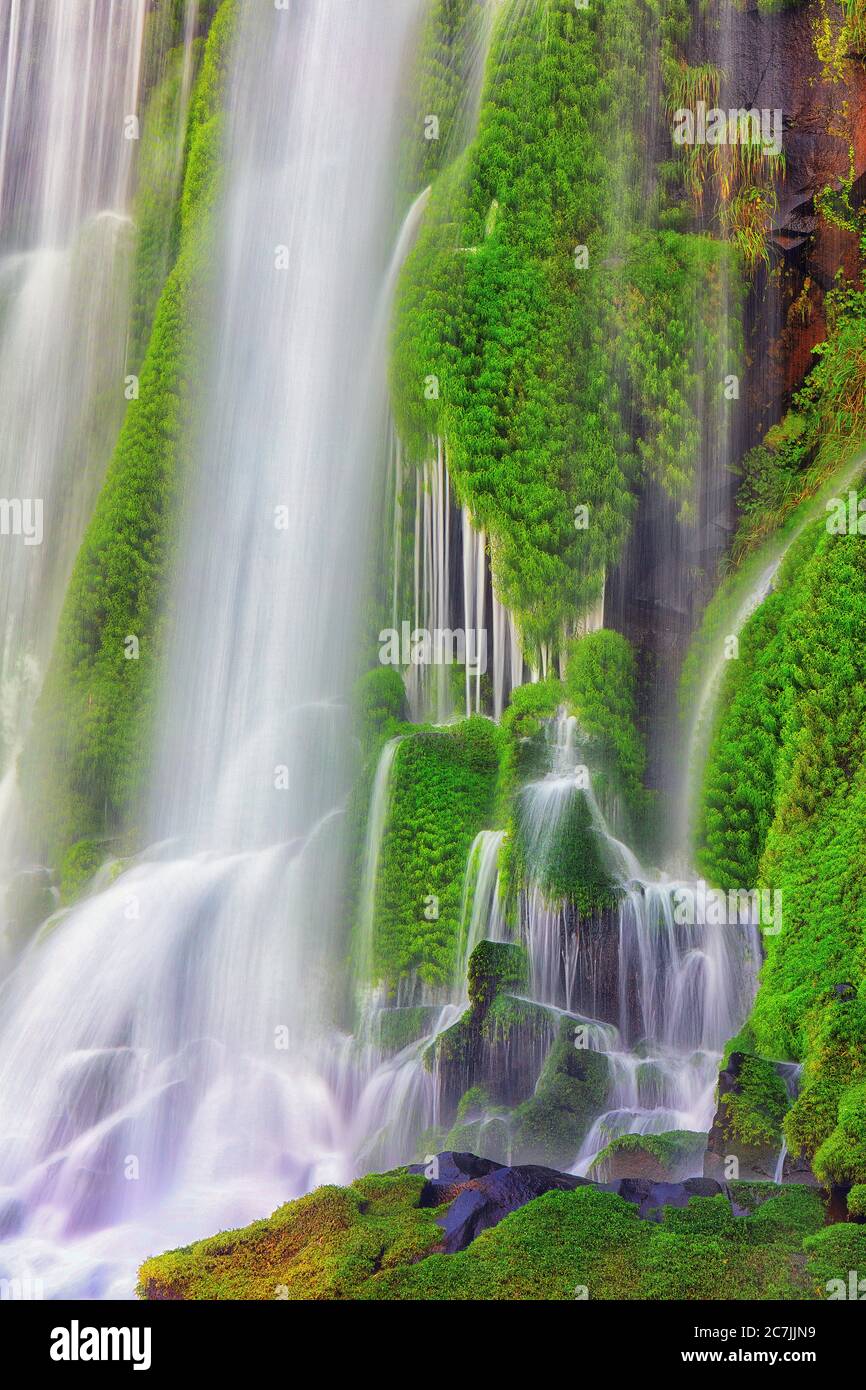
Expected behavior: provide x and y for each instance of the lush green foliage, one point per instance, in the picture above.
(825, 426)
(659, 1157)
(755, 1109)
(442, 794)
(601, 689)
(537, 330)
(785, 799)
(84, 762)
(380, 706)
(373, 1241)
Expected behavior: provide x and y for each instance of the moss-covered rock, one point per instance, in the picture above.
(442, 792)
(496, 967)
(752, 1104)
(398, 1027)
(375, 1241)
(323, 1246)
(659, 1157)
(572, 1090)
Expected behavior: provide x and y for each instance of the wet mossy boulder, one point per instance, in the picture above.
(666, 1157)
(399, 1027)
(746, 1137)
(501, 1041)
(496, 967)
(500, 1047)
(517, 1233)
(481, 1126)
(571, 1092)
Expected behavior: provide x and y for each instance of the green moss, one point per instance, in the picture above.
(442, 792)
(496, 966)
(524, 752)
(601, 688)
(841, 1157)
(785, 807)
(832, 1256)
(79, 864)
(372, 1241)
(857, 1200)
(754, 1112)
(323, 1246)
(661, 1157)
(571, 1092)
(401, 1026)
(564, 860)
(492, 305)
(480, 1127)
(88, 749)
(453, 33)
(380, 706)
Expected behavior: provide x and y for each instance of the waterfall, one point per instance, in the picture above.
(170, 1062)
(69, 82)
(681, 988)
(482, 910)
(474, 597)
(376, 819)
(428, 687)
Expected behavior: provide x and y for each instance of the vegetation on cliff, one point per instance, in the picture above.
(373, 1241)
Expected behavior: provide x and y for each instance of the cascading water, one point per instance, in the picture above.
(69, 81)
(683, 986)
(171, 1050)
(169, 1059)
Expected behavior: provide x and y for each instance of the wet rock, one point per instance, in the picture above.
(448, 1173)
(746, 1136)
(502, 1040)
(650, 1197)
(572, 1090)
(653, 1157)
(483, 1193)
(484, 1202)
(398, 1027)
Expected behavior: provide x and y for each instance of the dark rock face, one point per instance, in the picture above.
(754, 1162)
(798, 1169)
(485, 1201)
(482, 1193)
(651, 1197)
(449, 1172)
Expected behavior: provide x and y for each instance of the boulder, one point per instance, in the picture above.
(482, 1193)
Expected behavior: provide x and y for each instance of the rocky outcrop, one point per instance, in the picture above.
(482, 1193)
(652, 1157)
(746, 1136)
